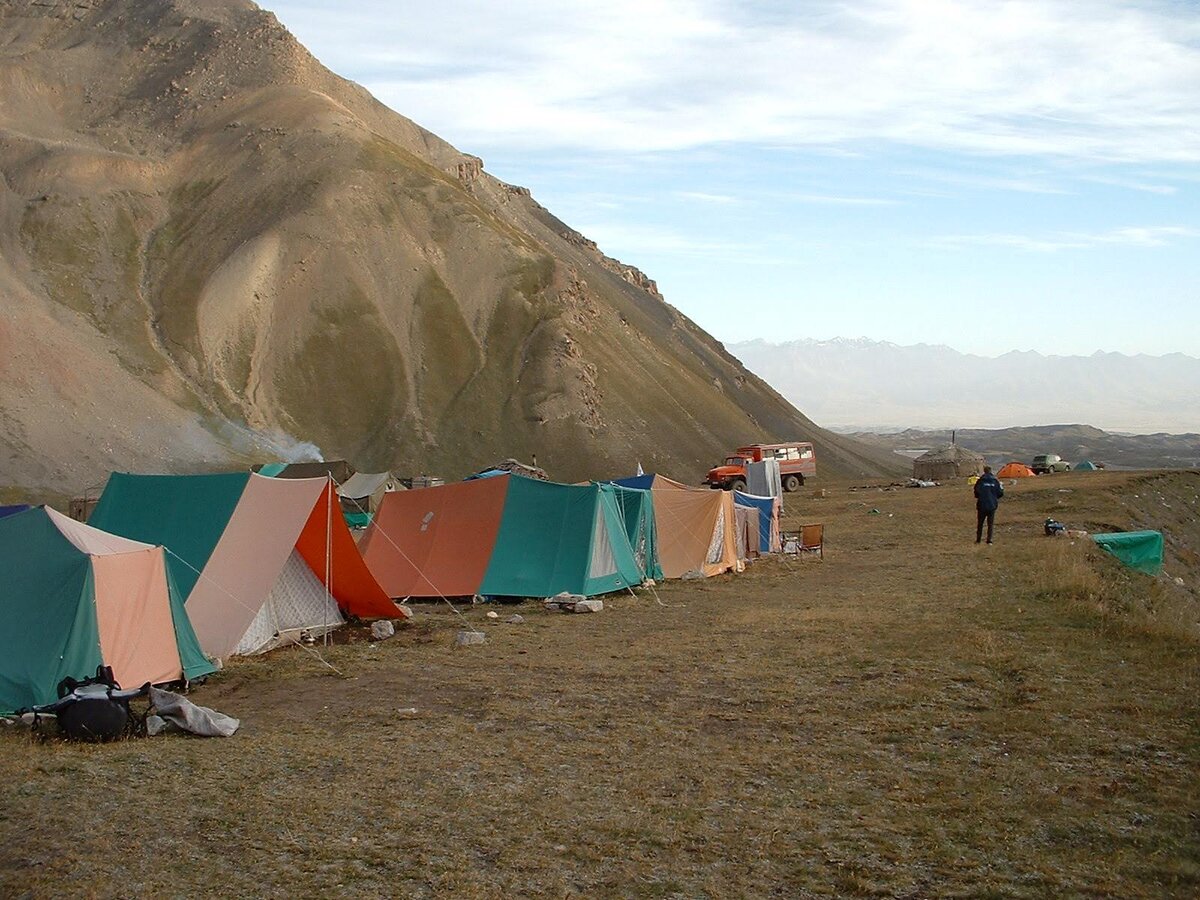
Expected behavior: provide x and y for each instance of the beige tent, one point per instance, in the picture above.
(364, 491)
(696, 529)
(951, 461)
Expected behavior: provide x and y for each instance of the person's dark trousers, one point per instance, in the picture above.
(980, 518)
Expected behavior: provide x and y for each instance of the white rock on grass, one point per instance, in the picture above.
(468, 638)
(515, 619)
(382, 630)
(588, 606)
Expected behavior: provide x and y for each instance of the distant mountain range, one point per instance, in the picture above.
(865, 385)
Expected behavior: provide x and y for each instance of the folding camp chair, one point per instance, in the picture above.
(809, 539)
(812, 539)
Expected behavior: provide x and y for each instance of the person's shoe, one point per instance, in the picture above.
(989, 542)
(977, 540)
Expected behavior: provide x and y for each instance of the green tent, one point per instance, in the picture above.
(1086, 466)
(560, 537)
(637, 512)
(73, 598)
(1140, 550)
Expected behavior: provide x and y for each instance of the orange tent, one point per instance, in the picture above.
(1015, 470)
(435, 541)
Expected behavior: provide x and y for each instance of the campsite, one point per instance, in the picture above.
(910, 715)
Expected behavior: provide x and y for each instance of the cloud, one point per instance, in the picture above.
(1134, 236)
(1074, 79)
(701, 197)
(839, 201)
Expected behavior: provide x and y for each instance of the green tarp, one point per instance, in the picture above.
(186, 515)
(1140, 550)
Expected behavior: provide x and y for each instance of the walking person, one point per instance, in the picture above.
(988, 491)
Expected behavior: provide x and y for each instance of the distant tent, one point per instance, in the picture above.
(362, 493)
(1015, 470)
(695, 526)
(1085, 466)
(256, 558)
(13, 510)
(73, 598)
(1140, 550)
(945, 463)
(768, 520)
(509, 536)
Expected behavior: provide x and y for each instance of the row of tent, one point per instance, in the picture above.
(1020, 470)
(173, 573)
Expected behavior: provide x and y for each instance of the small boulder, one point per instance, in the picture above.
(589, 606)
(404, 612)
(469, 638)
(515, 619)
(382, 630)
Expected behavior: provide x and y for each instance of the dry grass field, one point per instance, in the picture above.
(913, 716)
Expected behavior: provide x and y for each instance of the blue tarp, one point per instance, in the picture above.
(641, 482)
(13, 510)
(272, 470)
(766, 510)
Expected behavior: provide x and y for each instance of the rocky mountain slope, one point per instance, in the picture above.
(862, 384)
(213, 251)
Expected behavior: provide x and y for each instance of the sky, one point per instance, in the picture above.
(992, 176)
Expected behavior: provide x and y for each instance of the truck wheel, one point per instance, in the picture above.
(738, 484)
(791, 483)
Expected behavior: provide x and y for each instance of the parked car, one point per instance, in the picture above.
(1045, 463)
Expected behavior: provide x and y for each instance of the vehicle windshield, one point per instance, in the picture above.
(734, 461)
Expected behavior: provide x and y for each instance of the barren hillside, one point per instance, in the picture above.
(213, 250)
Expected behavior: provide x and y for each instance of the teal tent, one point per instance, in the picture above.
(560, 537)
(1086, 466)
(637, 512)
(74, 598)
(1140, 550)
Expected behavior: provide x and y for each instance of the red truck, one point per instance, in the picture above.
(797, 461)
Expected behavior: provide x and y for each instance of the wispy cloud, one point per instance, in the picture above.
(1136, 236)
(1076, 79)
(833, 200)
(701, 197)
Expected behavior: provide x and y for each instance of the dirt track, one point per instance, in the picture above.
(912, 716)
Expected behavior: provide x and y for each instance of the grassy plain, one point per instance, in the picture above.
(912, 716)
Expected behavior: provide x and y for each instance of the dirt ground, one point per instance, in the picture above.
(911, 716)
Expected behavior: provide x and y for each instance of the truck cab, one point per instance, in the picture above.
(797, 461)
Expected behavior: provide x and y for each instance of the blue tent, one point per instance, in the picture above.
(768, 522)
(13, 510)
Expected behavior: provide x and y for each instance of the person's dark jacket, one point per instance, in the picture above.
(988, 491)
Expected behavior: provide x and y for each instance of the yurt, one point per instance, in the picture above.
(951, 461)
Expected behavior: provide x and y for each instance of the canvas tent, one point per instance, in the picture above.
(763, 479)
(362, 493)
(1015, 470)
(1140, 550)
(769, 540)
(13, 510)
(73, 598)
(945, 463)
(258, 560)
(509, 536)
(695, 526)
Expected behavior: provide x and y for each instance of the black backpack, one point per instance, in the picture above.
(95, 709)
